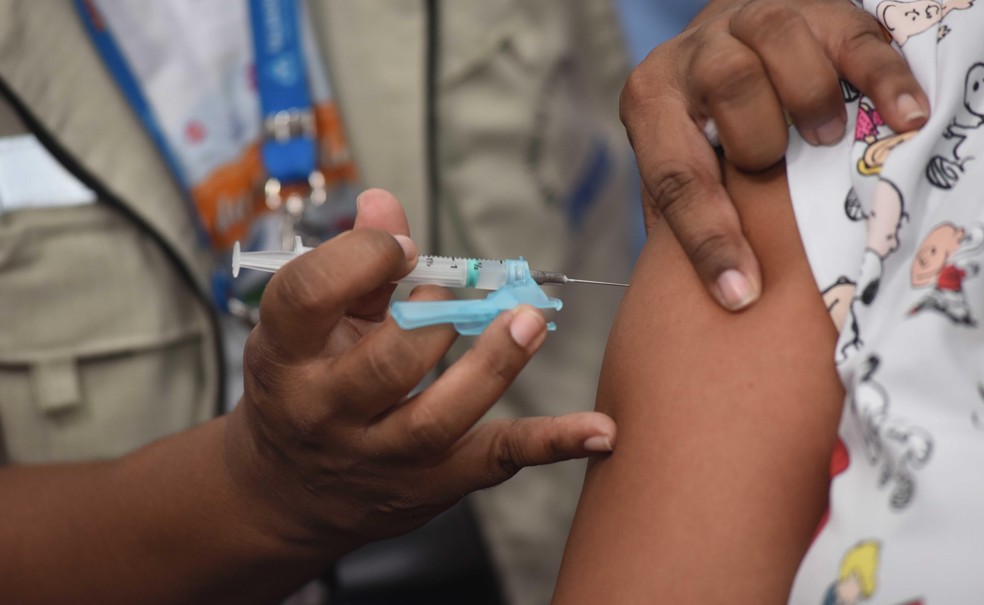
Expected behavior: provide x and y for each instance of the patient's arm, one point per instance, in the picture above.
(726, 424)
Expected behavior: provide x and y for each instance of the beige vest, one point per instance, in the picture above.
(105, 336)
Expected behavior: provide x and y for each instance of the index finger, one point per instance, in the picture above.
(681, 176)
(434, 420)
(307, 296)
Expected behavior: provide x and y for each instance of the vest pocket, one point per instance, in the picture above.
(103, 345)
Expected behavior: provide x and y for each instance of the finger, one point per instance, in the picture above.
(438, 417)
(308, 295)
(682, 177)
(388, 363)
(797, 66)
(730, 84)
(499, 449)
(379, 209)
(705, 222)
(847, 32)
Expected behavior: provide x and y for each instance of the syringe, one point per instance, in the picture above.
(448, 271)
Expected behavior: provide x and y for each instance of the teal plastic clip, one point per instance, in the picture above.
(471, 317)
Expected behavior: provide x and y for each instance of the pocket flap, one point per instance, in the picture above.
(56, 385)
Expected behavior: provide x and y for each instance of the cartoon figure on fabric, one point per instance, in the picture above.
(899, 447)
(938, 263)
(944, 170)
(838, 297)
(872, 131)
(883, 222)
(856, 578)
(904, 20)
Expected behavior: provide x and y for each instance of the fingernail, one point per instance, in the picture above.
(525, 326)
(359, 202)
(735, 291)
(409, 248)
(599, 443)
(831, 132)
(909, 108)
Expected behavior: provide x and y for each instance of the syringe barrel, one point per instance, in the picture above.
(457, 272)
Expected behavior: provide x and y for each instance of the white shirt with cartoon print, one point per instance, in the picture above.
(903, 281)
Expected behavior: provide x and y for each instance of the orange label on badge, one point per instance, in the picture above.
(228, 200)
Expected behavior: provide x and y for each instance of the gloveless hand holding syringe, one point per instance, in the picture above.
(512, 280)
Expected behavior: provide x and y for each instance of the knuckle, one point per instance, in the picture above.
(388, 365)
(296, 291)
(759, 22)
(674, 183)
(634, 92)
(652, 76)
(711, 249)
(861, 35)
(504, 456)
(724, 72)
(498, 368)
(821, 93)
(427, 433)
(766, 152)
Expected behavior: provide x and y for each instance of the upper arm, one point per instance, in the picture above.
(726, 423)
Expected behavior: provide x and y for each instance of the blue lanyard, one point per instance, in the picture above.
(289, 147)
(281, 74)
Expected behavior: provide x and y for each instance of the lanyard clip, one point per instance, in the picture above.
(293, 201)
(287, 124)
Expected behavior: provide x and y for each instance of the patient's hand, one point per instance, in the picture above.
(743, 63)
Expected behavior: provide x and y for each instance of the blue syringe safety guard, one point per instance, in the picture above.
(471, 317)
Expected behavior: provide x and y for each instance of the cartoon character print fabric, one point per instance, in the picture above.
(902, 282)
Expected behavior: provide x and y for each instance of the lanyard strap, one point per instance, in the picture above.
(289, 147)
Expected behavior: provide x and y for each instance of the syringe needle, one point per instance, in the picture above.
(556, 277)
(599, 283)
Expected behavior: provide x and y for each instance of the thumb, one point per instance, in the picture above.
(499, 449)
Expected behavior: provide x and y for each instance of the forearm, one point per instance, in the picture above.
(726, 424)
(166, 524)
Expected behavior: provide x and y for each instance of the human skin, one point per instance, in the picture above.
(325, 453)
(749, 65)
(884, 221)
(727, 424)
